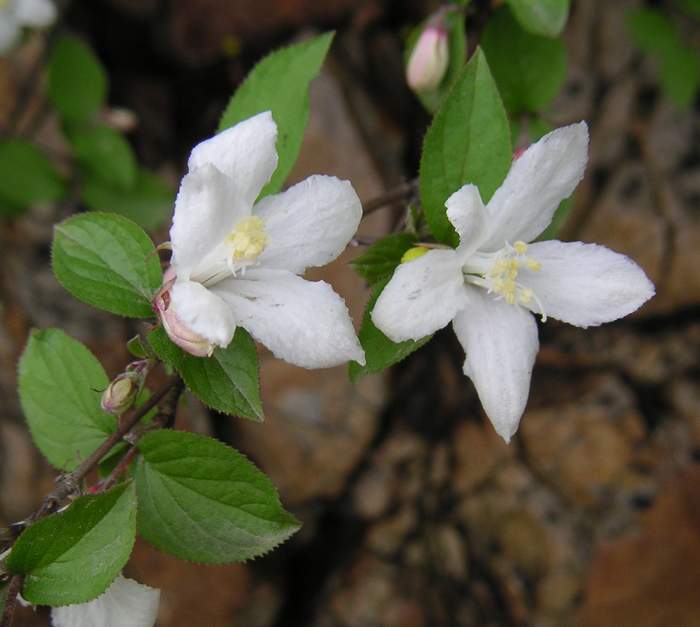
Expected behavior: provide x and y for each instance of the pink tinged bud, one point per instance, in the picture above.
(429, 59)
(179, 333)
(121, 393)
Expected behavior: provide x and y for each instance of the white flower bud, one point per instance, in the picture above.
(429, 59)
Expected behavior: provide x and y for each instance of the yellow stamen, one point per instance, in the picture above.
(248, 239)
(520, 247)
(533, 264)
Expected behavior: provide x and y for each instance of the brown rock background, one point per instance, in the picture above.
(415, 513)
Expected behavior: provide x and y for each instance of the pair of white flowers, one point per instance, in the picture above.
(17, 14)
(236, 263)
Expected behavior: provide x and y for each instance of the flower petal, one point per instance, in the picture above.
(422, 296)
(126, 603)
(305, 323)
(245, 153)
(206, 210)
(501, 343)
(585, 284)
(466, 212)
(36, 13)
(544, 175)
(203, 312)
(309, 224)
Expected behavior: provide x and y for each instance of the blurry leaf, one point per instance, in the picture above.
(280, 83)
(60, 386)
(527, 68)
(381, 258)
(380, 351)
(457, 44)
(656, 35)
(105, 156)
(468, 142)
(203, 501)
(690, 7)
(26, 177)
(108, 262)
(73, 556)
(541, 17)
(136, 347)
(77, 81)
(149, 202)
(228, 381)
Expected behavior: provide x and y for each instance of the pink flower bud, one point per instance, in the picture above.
(429, 59)
(122, 392)
(179, 333)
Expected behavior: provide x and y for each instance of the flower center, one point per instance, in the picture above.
(247, 240)
(499, 275)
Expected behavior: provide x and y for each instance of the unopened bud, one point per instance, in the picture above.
(429, 59)
(177, 331)
(122, 392)
(413, 253)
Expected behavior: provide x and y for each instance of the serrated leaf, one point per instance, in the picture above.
(73, 556)
(380, 351)
(468, 142)
(457, 49)
(280, 83)
(108, 262)
(528, 69)
(541, 17)
(654, 33)
(105, 156)
(201, 500)
(381, 258)
(228, 381)
(77, 81)
(149, 202)
(60, 385)
(26, 177)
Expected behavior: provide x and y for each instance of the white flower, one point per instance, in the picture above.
(237, 263)
(125, 603)
(16, 14)
(488, 286)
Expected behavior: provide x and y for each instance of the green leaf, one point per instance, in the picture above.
(136, 348)
(108, 262)
(280, 83)
(228, 381)
(381, 258)
(105, 156)
(26, 177)
(77, 81)
(541, 17)
(655, 34)
(60, 386)
(457, 47)
(149, 202)
(468, 142)
(528, 69)
(689, 7)
(380, 351)
(203, 501)
(73, 556)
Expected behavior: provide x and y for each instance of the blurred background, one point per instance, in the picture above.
(415, 514)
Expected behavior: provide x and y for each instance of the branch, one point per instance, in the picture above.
(402, 192)
(70, 482)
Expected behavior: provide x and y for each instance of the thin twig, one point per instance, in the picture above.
(399, 193)
(165, 418)
(13, 589)
(70, 483)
